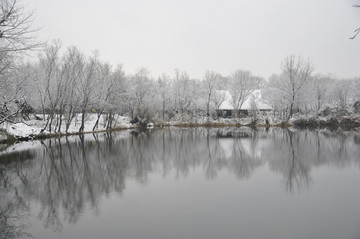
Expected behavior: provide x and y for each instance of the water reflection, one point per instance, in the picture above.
(70, 175)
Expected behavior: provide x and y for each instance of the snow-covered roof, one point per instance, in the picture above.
(260, 103)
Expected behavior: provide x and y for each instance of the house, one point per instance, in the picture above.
(226, 108)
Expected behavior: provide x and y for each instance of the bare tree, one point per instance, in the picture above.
(210, 80)
(242, 84)
(296, 72)
(341, 92)
(16, 32)
(219, 98)
(72, 64)
(110, 89)
(49, 63)
(16, 36)
(320, 88)
(182, 91)
(103, 91)
(141, 92)
(253, 107)
(87, 87)
(356, 89)
(163, 86)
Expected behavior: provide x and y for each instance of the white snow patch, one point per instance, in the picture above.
(21, 129)
(33, 127)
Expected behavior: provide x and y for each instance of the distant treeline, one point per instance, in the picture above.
(61, 83)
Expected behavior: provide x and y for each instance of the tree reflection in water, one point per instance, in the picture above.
(14, 209)
(66, 176)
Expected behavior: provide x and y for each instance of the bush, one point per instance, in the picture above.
(325, 112)
(306, 123)
(357, 107)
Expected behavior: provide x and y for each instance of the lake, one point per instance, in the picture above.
(183, 183)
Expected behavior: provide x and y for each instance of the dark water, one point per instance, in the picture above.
(184, 183)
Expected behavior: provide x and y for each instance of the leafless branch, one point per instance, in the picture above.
(16, 31)
(356, 33)
(358, 29)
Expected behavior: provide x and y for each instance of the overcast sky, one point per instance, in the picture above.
(200, 35)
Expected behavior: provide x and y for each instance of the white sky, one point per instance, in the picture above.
(199, 35)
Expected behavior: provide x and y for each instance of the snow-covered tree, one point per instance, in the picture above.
(139, 94)
(291, 84)
(73, 66)
(50, 81)
(210, 82)
(17, 36)
(341, 92)
(241, 85)
(162, 86)
(320, 86)
(182, 91)
(87, 86)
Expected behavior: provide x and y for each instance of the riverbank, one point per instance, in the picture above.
(18, 135)
(186, 120)
(351, 122)
(32, 129)
(343, 122)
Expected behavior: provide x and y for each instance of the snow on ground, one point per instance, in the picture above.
(21, 129)
(119, 122)
(33, 127)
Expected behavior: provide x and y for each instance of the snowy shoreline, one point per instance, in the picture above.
(32, 129)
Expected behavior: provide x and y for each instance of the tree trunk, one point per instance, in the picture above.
(208, 106)
(97, 120)
(163, 110)
(81, 129)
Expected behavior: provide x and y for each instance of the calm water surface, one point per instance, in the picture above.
(183, 183)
